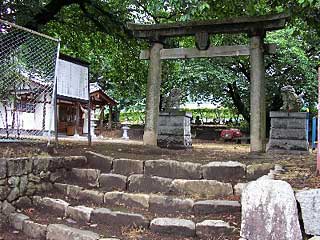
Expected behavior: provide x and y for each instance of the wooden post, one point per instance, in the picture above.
(110, 118)
(77, 119)
(101, 118)
(257, 95)
(153, 96)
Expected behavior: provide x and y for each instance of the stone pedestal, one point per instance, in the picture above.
(174, 130)
(288, 132)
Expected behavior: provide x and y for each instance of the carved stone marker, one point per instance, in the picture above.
(309, 201)
(174, 130)
(269, 211)
(288, 132)
(174, 127)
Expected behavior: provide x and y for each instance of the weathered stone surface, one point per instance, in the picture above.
(238, 188)
(79, 213)
(127, 199)
(110, 182)
(23, 202)
(56, 163)
(202, 188)
(315, 238)
(17, 219)
(309, 201)
(224, 171)
(169, 204)
(148, 184)
(91, 196)
(285, 133)
(63, 232)
(23, 184)
(269, 211)
(173, 169)
(74, 162)
(255, 171)
(3, 168)
(88, 177)
(216, 207)
(101, 215)
(13, 195)
(7, 208)
(99, 161)
(19, 166)
(34, 230)
(41, 164)
(74, 191)
(287, 145)
(209, 228)
(4, 191)
(62, 187)
(58, 175)
(127, 166)
(173, 226)
(58, 206)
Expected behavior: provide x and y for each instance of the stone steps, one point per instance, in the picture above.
(141, 183)
(162, 226)
(225, 171)
(153, 203)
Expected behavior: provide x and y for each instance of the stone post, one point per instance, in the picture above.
(153, 96)
(257, 95)
(110, 118)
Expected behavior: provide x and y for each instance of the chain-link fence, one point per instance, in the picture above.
(27, 75)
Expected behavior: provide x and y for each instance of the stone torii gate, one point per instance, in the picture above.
(255, 27)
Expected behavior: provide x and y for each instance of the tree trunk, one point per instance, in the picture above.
(233, 92)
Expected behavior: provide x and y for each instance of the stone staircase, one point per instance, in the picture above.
(111, 198)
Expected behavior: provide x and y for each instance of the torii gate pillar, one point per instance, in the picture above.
(257, 95)
(153, 96)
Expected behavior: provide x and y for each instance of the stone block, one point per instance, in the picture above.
(63, 232)
(23, 186)
(7, 208)
(101, 215)
(287, 145)
(56, 163)
(202, 188)
(59, 175)
(288, 123)
(209, 228)
(16, 220)
(4, 192)
(111, 182)
(238, 188)
(286, 133)
(41, 164)
(173, 169)
(127, 166)
(74, 191)
(61, 187)
(23, 203)
(174, 142)
(13, 195)
(19, 166)
(309, 201)
(173, 227)
(57, 206)
(3, 168)
(99, 161)
(74, 162)
(136, 200)
(290, 115)
(89, 177)
(269, 211)
(208, 207)
(34, 230)
(91, 196)
(148, 184)
(254, 171)
(169, 204)
(79, 213)
(224, 171)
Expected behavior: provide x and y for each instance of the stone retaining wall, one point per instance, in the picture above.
(21, 178)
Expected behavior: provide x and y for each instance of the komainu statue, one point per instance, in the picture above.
(291, 101)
